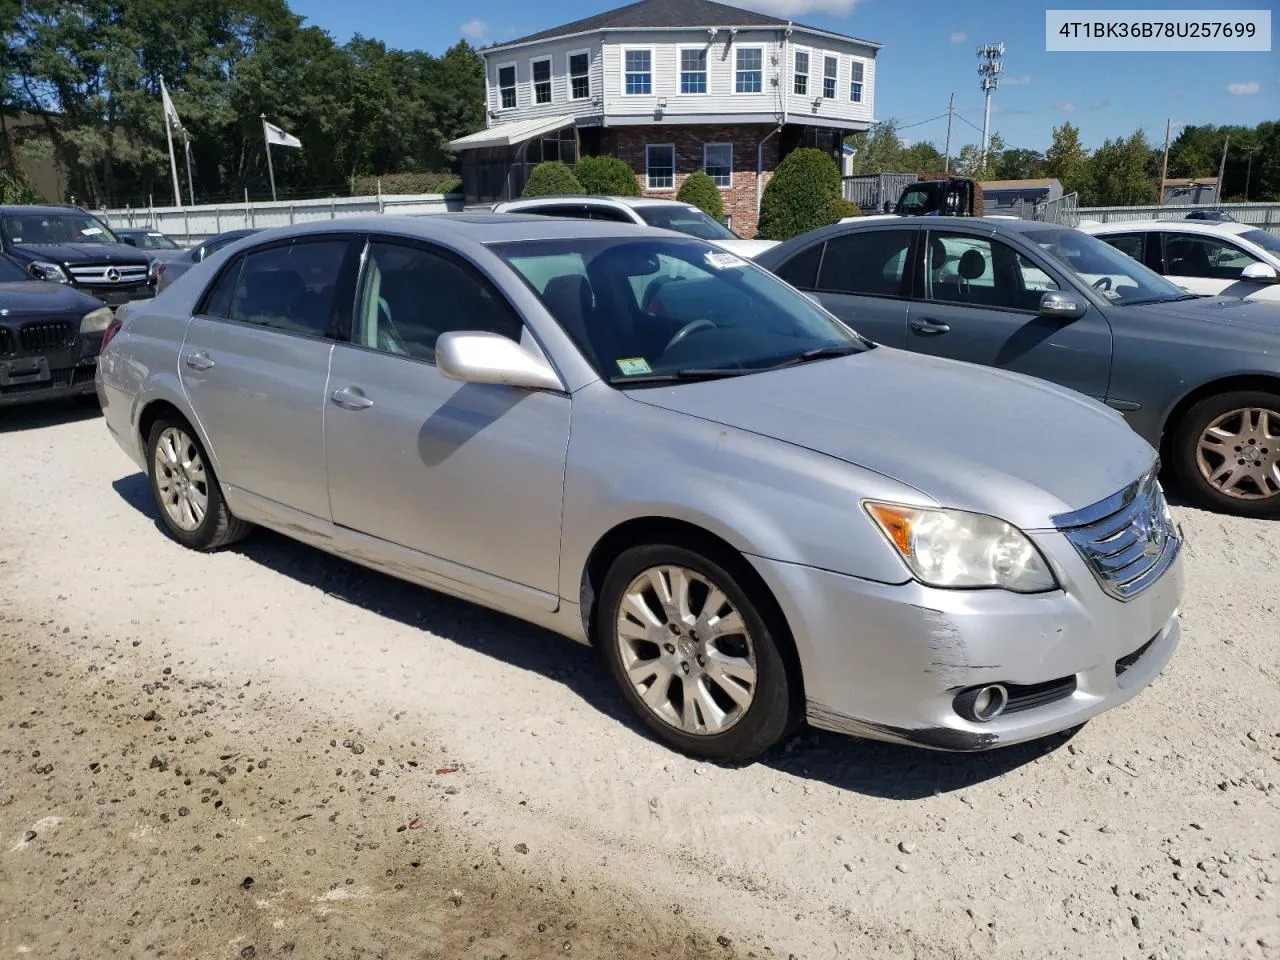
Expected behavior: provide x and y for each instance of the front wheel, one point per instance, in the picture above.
(1226, 453)
(186, 490)
(693, 654)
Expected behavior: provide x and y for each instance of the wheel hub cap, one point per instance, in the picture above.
(1239, 454)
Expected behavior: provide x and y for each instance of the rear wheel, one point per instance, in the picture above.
(1226, 452)
(693, 654)
(186, 490)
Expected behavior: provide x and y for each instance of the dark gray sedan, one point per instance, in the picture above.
(170, 270)
(1197, 377)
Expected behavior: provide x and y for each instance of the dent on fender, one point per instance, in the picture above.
(949, 653)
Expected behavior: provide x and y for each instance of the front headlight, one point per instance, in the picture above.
(95, 321)
(43, 270)
(956, 549)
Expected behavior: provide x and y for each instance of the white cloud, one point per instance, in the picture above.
(1022, 81)
(791, 8)
(475, 29)
(959, 37)
(1066, 106)
(1244, 89)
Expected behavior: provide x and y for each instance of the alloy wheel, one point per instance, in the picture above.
(1239, 454)
(181, 479)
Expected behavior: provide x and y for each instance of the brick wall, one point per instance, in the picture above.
(739, 199)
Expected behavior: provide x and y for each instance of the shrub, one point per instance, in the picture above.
(413, 182)
(14, 188)
(701, 191)
(607, 177)
(841, 208)
(551, 179)
(801, 196)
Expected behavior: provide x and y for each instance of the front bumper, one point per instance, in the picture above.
(886, 661)
(33, 378)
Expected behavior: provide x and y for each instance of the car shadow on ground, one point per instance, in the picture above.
(50, 413)
(861, 766)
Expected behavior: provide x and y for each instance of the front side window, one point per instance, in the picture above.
(693, 71)
(408, 296)
(1193, 255)
(1116, 277)
(625, 302)
(717, 163)
(542, 81)
(830, 68)
(638, 77)
(1267, 241)
(802, 73)
(749, 77)
(855, 82)
(1130, 244)
(507, 86)
(579, 76)
(48, 228)
(871, 263)
(290, 288)
(660, 166)
(976, 271)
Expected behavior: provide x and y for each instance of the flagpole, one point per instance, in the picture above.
(173, 162)
(270, 170)
(191, 183)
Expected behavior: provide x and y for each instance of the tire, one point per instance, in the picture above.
(209, 528)
(1246, 427)
(721, 727)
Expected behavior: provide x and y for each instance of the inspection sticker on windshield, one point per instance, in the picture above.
(632, 366)
(91, 231)
(722, 261)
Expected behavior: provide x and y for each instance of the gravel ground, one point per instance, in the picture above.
(269, 752)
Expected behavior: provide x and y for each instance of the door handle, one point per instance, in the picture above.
(351, 399)
(930, 328)
(199, 360)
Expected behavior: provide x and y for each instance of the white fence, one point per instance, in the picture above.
(190, 225)
(1264, 215)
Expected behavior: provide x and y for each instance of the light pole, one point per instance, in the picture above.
(989, 68)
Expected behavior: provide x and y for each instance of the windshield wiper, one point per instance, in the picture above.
(818, 353)
(1149, 300)
(677, 376)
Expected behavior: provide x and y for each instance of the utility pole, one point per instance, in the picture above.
(1164, 164)
(951, 105)
(989, 70)
(1248, 170)
(1222, 166)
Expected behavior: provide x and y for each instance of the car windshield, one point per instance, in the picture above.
(1115, 275)
(650, 310)
(45, 228)
(1267, 241)
(688, 220)
(10, 272)
(155, 241)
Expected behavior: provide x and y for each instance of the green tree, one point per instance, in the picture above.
(1120, 173)
(701, 191)
(551, 179)
(1067, 160)
(1019, 164)
(921, 157)
(972, 162)
(801, 196)
(607, 177)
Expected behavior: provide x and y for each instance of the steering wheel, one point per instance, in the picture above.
(693, 326)
(1102, 283)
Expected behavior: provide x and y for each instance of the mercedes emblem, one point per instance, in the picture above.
(113, 275)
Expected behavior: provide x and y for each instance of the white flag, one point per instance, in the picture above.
(278, 137)
(170, 111)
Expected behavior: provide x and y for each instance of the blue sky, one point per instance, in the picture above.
(929, 51)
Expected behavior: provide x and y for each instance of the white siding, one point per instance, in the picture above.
(522, 58)
(841, 108)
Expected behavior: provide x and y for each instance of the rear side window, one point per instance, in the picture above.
(576, 211)
(801, 271)
(868, 262)
(290, 288)
(217, 299)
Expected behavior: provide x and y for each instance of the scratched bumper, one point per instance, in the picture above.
(886, 661)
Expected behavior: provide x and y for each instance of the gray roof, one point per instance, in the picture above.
(695, 14)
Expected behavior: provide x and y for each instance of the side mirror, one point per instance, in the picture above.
(1261, 272)
(1061, 306)
(479, 357)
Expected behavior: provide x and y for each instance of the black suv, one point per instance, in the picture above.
(69, 245)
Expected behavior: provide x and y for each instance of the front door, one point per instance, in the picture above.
(470, 473)
(254, 366)
(1207, 265)
(981, 305)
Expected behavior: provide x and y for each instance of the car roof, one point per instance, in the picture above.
(35, 209)
(1209, 227)
(596, 198)
(476, 227)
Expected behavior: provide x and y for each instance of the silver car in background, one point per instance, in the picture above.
(645, 442)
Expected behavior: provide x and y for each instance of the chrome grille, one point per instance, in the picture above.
(46, 335)
(1127, 540)
(109, 274)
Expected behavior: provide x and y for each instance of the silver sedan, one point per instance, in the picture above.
(644, 442)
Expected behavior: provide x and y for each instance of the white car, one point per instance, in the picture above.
(1214, 258)
(644, 211)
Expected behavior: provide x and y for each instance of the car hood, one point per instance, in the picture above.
(80, 252)
(746, 248)
(1249, 314)
(968, 437)
(24, 298)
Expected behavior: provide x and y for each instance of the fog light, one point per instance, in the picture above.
(982, 704)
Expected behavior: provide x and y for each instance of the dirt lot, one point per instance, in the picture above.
(270, 753)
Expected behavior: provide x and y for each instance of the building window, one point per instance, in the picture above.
(829, 68)
(541, 80)
(717, 163)
(750, 73)
(855, 83)
(802, 74)
(580, 75)
(507, 86)
(693, 71)
(638, 73)
(660, 166)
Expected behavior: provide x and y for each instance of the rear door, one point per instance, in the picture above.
(981, 303)
(255, 363)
